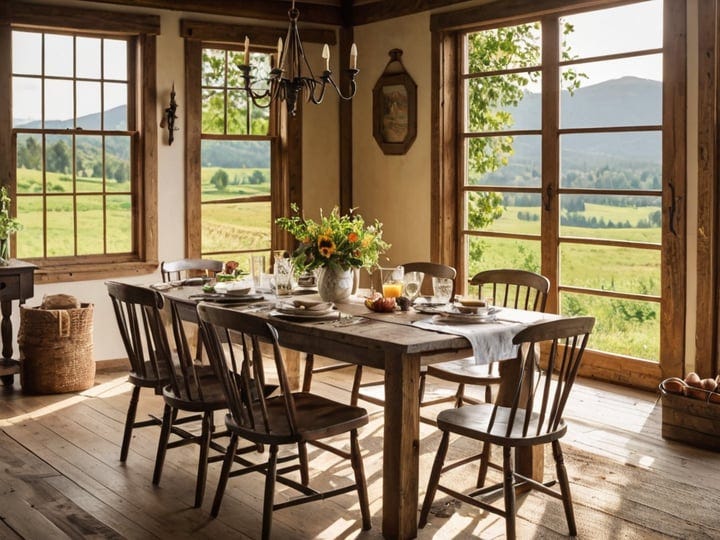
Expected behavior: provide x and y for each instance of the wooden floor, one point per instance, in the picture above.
(60, 476)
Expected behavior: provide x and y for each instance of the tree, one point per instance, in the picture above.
(220, 179)
(257, 177)
(58, 158)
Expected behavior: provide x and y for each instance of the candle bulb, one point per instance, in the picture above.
(246, 61)
(279, 50)
(326, 56)
(353, 56)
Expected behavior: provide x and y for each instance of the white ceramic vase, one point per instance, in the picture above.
(335, 285)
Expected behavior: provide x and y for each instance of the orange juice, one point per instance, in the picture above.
(392, 290)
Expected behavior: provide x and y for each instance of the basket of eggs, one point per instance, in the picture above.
(691, 410)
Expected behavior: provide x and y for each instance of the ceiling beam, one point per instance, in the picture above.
(271, 10)
(381, 10)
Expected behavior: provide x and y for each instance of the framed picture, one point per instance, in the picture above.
(395, 108)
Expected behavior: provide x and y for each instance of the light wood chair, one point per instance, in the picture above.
(135, 311)
(519, 289)
(187, 268)
(284, 419)
(532, 416)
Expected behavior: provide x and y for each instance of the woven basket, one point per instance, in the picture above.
(56, 349)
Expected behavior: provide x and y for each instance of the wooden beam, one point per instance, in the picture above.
(263, 36)
(382, 9)
(270, 10)
(346, 128)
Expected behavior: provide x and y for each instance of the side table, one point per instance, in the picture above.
(17, 282)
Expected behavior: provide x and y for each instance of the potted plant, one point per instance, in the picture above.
(335, 246)
(8, 226)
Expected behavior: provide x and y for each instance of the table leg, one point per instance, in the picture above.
(401, 446)
(6, 364)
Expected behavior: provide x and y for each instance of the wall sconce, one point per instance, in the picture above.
(168, 119)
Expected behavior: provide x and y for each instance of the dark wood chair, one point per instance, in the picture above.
(136, 311)
(531, 416)
(286, 418)
(519, 289)
(187, 268)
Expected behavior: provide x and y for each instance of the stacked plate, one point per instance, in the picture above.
(453, 314)
(305, 309)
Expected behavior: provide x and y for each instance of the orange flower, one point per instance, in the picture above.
(352, 237)
(326, 246)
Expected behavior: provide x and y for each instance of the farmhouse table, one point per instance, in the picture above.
(387, 341)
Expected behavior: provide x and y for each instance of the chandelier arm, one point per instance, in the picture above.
(353, 85)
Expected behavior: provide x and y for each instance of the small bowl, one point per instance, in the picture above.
(473, 310)
(472, 302)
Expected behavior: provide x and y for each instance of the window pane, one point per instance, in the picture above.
(27, 102)
(237, 113)
(507, 160)
(213, 67)
(29, 241)
(27, 53)
(88, 163)
(632, 97)
(488, 253)
(213, 111)
(88, 58)
(90, 225)
(504, 48)
(58, 160)
(59, 55)
(589, 35)
(115, 109)
(234, 75)
(119, 224)
(515, 213)
(117, 163)
(29, 163)
(243, 226)
(626, 327)
(627, 270)
(611, 217)
(597, 158)
(59, 104)
(502, 102)
(233, 169)
(60, 227)
(88, 105)
(115, 59)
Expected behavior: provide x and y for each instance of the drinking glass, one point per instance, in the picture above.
(283, 274)
(413, 282)
(442, 289)
(392, 281)
(257, 267)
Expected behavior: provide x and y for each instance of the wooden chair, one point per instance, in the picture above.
(138, 321)
(286, 418)
(430, 270)
(532, 416)
(184, 268)
(519, 289)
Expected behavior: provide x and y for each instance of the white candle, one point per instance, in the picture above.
(326, 56)
(247, 51)
(279, 50)
(353, 56)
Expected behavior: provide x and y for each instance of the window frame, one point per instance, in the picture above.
(143, 30)
(447, 166)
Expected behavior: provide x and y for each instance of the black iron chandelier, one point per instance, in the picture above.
(292, 76)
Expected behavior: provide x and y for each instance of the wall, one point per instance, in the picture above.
(320, 170)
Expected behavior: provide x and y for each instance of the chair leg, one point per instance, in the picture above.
(421, 387)
(459, 395)
(129, 423)
(434, 478)
(509, 491)
(484, 464)
(162, 443)
(269, 492)
(307, 376)
(208, 428)
(359, 469)
(488, 394)
(304, 468)
(224, 474)
(355, 393)
(564, 487)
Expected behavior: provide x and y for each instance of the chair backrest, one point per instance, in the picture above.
(431, 269)
(233, 341)
(540, 396)
(518, 289)
(137, 310)
(181, 269)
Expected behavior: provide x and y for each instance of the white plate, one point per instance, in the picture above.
(465, 318)
(429, 309)
(305, 313)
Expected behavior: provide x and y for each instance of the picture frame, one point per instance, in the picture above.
(395, 108)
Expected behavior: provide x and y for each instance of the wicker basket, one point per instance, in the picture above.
(56, 349)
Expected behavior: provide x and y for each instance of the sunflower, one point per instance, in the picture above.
(326, 246)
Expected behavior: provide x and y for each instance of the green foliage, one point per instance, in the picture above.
(220, 180)
(257, 177)
(8, 225)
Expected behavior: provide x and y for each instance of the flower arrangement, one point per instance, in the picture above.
(8, 225)
(336, 241)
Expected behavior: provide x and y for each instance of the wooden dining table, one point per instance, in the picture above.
(389, 342)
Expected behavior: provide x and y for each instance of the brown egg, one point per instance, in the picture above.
(693, 379)
(709, 384)
(674, 385)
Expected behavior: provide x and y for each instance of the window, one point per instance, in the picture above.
(562, 169)
(83, 184)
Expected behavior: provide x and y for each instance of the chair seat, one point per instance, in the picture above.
(464, 371)
(472, 421)
(316, 418)
(213, 396)
(150, 381)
